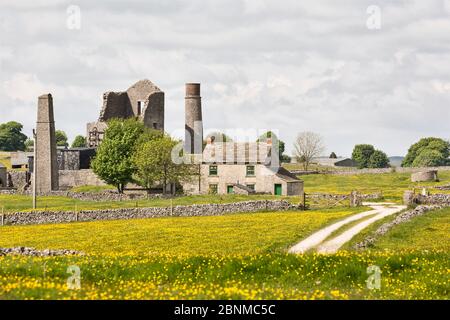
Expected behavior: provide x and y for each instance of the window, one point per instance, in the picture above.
(213, 188)
(139, 107)
(213, 170)
(250, 170)
(155, 125)
(251, 186)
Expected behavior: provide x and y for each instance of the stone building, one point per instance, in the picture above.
(143, 100)
(244, 168)
(231, 167)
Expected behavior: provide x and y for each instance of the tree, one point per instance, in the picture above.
(61, 139)
(113, 162)
(79, 142)
(307, 146)
(11, 137)
(429, 158)
(333, 155)
(29, 144)
(378, 159)
(219, 137)
(361, 154)
(427, 144)
(281, 145)
(154, 164)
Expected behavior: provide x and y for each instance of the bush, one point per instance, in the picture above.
(378, 159)
(362, 153)
(438, 158)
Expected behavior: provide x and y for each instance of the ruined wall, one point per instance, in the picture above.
(153, 115)
(76, 178)
(115, 105)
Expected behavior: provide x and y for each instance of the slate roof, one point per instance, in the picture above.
(237, 153)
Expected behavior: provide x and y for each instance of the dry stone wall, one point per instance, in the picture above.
(47, 217)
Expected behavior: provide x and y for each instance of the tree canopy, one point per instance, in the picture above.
(113, 161)
(366, 156)
(61, 138)
(154, 164)
(281, 145)
(308, 145)
(79, 142)
(427, 152)
(11, 137)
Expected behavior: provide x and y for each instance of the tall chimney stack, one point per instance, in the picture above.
(193, 142)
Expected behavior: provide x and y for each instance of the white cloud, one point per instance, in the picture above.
(290, 66)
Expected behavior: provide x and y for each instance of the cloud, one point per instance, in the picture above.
(293, 67)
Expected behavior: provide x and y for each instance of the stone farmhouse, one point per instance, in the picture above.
(242, 168)
(229, 167)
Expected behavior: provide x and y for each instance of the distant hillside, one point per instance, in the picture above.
(396, 161)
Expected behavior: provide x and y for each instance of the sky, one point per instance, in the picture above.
(353, 71)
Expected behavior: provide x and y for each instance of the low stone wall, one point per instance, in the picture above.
(348, 171)
(104, 195)
(401, 218)
(25, 251)
(47, 217)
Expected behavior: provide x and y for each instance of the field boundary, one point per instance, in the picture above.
(49, 217)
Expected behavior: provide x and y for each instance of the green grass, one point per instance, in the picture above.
(94, 189)
(392, 185)
(13, 203)
(240, 256)
(228, 234)
(427, 232)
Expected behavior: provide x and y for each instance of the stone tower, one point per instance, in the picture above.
(193, 142)
(46, 170)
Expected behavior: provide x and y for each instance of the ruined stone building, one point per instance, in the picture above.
(143, 100)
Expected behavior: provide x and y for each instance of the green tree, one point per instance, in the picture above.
(429, 158)
(11, 137)
(113, 162)
(29, 144)
(154, 164)
(437, 144)
(61, 138)
(281, 144)
(79, 142)
(378, 159)
(361, 154)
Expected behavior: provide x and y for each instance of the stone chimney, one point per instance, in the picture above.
(46, 170)
(193, 143)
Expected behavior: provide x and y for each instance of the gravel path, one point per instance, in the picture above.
(316, 240)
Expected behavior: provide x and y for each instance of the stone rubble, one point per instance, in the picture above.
(26, 251)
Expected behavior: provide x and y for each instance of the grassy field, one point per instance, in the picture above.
(392, 185)
(240, 256)
(13, 203)
(236, 256)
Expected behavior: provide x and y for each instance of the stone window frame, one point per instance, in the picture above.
(213, 172)
(213, 188)
(250, 173)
